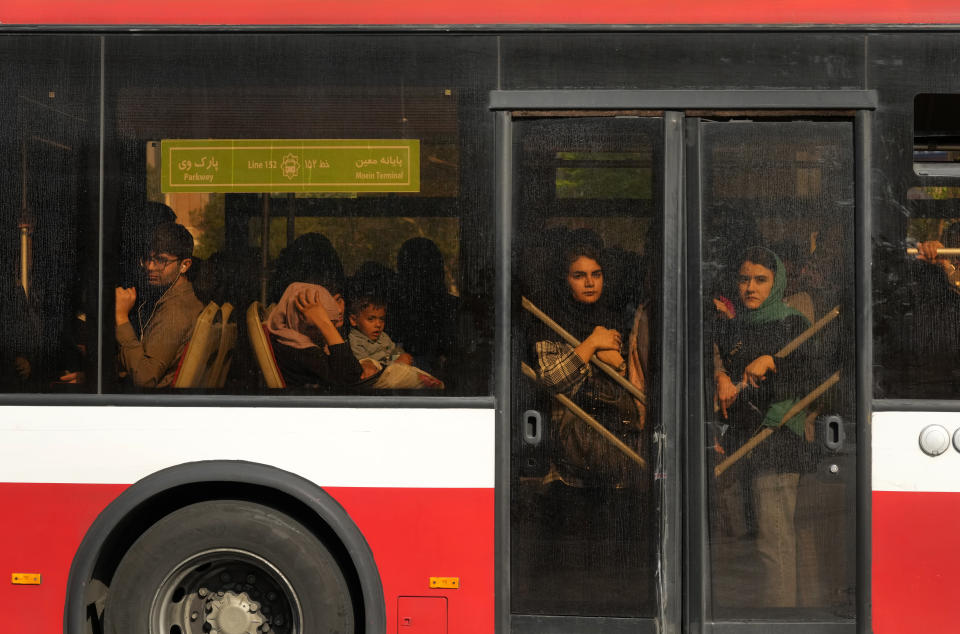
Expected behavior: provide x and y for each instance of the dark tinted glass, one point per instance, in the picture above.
(420, 259)
(777, 213)
(586, 253)
(48, 228)
(917, 300)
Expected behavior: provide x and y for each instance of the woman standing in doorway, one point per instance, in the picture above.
(754, 388)
(582, 456)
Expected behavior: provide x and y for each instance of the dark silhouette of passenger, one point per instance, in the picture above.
(19, 340)
(373, 278)
(310, 259)
(426, 314)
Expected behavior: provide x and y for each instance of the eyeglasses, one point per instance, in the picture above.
(155, 261)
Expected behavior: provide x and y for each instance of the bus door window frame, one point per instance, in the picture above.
(684, 546)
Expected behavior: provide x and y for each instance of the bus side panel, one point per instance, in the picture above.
(915, 561)
(416, 534)
(43, 525)
(916, 509)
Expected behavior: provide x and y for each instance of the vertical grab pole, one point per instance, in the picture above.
(24, 225)
(25, 259)
(264, 248)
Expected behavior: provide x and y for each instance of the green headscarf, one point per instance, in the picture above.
(772, 308)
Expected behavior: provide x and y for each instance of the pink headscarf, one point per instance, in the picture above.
(288, 324)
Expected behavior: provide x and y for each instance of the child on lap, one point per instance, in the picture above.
(368, 341)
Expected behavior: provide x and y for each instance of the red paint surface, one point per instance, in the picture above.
(43, 524)
(414, 534)
(916, 562)
(422, 615)
(436, 12)
(418, 533)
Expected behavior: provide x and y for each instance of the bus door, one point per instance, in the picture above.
(650, 254)
(586, 255)
(772, 442)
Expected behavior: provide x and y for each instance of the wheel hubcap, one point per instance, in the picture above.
(234, 614)
(225, 592)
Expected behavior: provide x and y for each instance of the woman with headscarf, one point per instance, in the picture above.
(306, 341)
(578, 304)
(754, 389)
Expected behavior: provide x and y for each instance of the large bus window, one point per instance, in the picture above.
(777, 211)
(48, 235)
(917, 301)
(335, 288)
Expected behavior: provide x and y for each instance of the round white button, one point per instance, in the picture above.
(934, 440)
(956, 439)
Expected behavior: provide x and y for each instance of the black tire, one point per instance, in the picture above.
(238, 561)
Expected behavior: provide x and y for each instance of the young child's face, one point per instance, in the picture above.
(370, 321)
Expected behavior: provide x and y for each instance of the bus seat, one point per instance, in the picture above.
(217, 376)
(262, 350)
(803, 303)
(200, 349)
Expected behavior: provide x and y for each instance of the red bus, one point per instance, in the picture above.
(513, 318)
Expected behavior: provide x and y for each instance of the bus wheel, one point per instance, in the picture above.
(230, 567)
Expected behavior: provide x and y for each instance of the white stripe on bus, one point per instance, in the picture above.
(368, 447)
(898, 462)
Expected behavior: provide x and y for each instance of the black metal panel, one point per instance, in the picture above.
(911, 405)
(680, 60)
(504, 238)
(578, 625)
(863, 133)
(899, 67)
(697, 598)
(672, 395)
(782, 628)
(682, 99)
(197, 399)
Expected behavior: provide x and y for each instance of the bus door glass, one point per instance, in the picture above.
(586, 257)
(776, 213)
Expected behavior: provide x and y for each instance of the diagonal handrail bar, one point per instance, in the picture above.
(589, 420)
(606, 367)
(765, 433)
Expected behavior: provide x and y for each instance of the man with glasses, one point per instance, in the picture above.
(153, 338)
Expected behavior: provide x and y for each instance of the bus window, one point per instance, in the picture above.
(48, 239)
(777, 208)
(399, 269)
(917, 301)
(936, 135)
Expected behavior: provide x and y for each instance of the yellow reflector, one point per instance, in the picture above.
(25, 579)
(444, 582)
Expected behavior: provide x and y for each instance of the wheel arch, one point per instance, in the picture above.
(138, 507)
